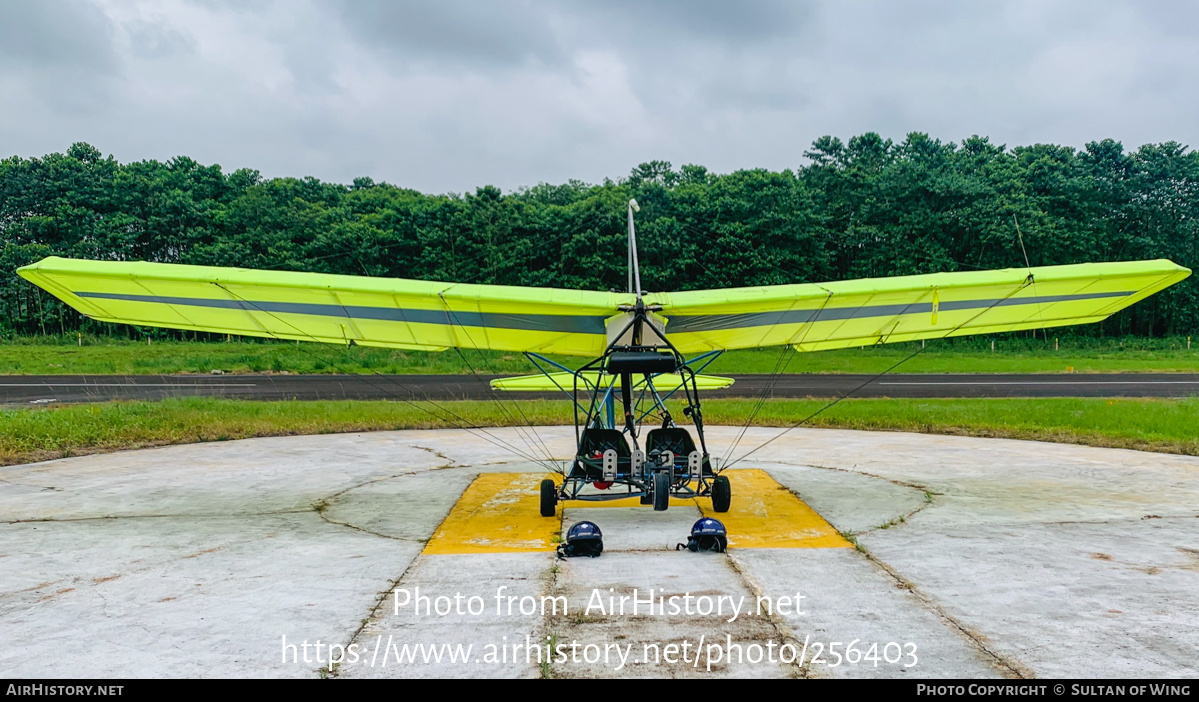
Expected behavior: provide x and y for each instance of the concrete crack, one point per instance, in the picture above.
(370, 616)
(380, 599)
(547, 632)
(322, 505)
(855, 471)
(901, 519)
(325, 500)
(801, 669)
(154, 516)
(1009, 667)
(437, 453)
(347, 525)
(103, 607)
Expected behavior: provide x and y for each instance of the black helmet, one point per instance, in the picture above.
(707, 534)
(582, 539)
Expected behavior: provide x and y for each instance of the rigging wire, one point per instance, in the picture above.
(784, 360)
(354, 255)
(1020, 237)
(1040, 311)
(520, 428)
(463, 423)
(1028, 281)
(773, 378)
(448, 415)
(491, 391)
(780, 365)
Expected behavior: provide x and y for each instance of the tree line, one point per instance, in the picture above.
(866, 207)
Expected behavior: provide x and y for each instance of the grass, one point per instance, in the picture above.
(99, 355)
(28, 435)
(543, 666)
(49, 356)
(1170, 426)
(1078, 355)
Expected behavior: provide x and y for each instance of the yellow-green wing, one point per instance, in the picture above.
(814, 317)
(387, 312)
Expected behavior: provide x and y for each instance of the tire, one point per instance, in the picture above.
(549, 498)
(722, 493)
(647, 498)
(661, 491)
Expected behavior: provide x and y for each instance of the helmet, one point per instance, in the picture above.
(584, 531)
(707, 534)
(582, 539)
(708, 527)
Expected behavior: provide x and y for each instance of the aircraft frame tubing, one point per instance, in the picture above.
(685, 480)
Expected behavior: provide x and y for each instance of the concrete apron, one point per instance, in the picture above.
(975, 558)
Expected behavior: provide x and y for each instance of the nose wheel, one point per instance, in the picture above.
(661, 491)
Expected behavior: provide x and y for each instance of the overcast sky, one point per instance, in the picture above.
(448, 95)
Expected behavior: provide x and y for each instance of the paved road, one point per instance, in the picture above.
(25, 390)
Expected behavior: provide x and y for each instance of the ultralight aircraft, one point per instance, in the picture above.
(644, 347)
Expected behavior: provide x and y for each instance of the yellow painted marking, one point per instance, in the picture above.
(764, 514)
(498, 513)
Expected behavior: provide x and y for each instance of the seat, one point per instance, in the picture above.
(678, 441)
(595, 439)
(674, 439)
(589, 464)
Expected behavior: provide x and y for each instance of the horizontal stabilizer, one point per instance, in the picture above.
(667, 382)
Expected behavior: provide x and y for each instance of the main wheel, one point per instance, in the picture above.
(661, 491)
(549, 498)
(647, 498)
(722, 493)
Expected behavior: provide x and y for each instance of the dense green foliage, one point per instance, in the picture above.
(868, 207)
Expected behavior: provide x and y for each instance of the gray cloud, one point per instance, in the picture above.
(154, 41)
(55, 33)
(728, 24)
(481, 35)
(61, 51)
(489, 35)
(670, 46)
(445, 96)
